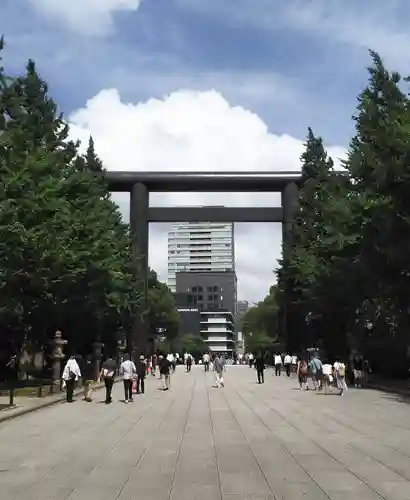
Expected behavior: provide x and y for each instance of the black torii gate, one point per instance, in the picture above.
(140, 184)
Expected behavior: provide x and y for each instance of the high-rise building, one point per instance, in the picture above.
(241, 307)
(209, 291)
(200, 247)
(218, 331)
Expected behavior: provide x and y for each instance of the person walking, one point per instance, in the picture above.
(128, 372)
(251, 360)
(288, 364)
(172, 362)
(302, 372)
(340, 374)
(327, 377)
(294, 363)
(316, 369)
(71, 374)
(206, 359)
(88, 373)
(188, 363)
(219, 364)
(141, 373)
(165, 372)
(260, 367)
(357, 364)
(278, 364)
(108, 370)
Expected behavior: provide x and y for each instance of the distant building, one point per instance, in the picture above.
(200, 247)
(241, 307)
(208, 291)
(214, 294)
(240, 343)
(218, 331)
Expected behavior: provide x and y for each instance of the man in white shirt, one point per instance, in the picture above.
(327, 380)
(294, 363)
(171, 359)
(128, 372)
(250, 359)
(278, 364)
(288, 364)
(206, 358)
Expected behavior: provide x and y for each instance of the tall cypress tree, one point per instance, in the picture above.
(379, 163)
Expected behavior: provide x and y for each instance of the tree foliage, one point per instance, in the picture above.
(260, 323)
(194, 345)
(343, 280)
(162, 312)
(65, 255)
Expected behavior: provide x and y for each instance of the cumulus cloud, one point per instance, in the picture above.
(191, 130)
(89, 17)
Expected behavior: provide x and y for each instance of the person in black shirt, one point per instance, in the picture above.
(141, 373)
(164, 370)
(260, 367)
(108, 370)
(357, 371)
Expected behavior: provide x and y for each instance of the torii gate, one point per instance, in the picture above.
(140, 184)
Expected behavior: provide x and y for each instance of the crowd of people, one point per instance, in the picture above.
(133, 373)
(323, 374)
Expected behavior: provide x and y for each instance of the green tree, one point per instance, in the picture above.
(259, 342)
(162, 313)
(194, 345)
(66, 257)
(310, 278)
(263, 317)
(378, 162)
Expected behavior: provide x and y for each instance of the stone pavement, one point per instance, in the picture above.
(196, 442)
(24, 404)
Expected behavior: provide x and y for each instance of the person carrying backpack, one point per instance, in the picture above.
(71, 374)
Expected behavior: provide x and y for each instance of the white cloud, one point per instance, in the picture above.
(190, 130)
(89, 17)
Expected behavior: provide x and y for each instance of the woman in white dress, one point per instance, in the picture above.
(340, 376)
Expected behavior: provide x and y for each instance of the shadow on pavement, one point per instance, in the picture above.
(400, 398)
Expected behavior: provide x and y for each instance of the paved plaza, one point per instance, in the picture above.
(195, 442)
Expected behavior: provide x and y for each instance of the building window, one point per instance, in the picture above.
(200, 298)
(194, 289)
(210, 298)
(200, 289)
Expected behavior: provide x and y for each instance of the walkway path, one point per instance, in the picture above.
(195, 442)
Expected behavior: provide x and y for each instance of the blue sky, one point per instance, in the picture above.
(167, 44)
(292, 63)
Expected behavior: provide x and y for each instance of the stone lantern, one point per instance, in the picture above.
(57, 355)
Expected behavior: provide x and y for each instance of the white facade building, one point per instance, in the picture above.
(218, 331)
(200, 247)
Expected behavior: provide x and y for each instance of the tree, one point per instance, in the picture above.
(194, 345)
(378, 162)
(347, 265)
(263, 317)
(259, 342)
(162, 313)
(66, 257)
